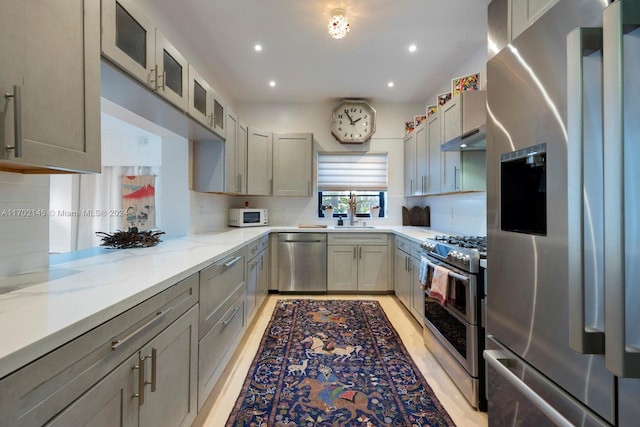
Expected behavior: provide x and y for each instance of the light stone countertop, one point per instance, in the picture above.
(44, 309)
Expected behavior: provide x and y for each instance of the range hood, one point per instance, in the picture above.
(464, 121)
(473, 140)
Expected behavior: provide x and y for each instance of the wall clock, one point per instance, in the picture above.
(353, 121)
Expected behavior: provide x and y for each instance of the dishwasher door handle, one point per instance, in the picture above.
(302, 241)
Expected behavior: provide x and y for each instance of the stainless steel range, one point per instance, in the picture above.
(454, 331)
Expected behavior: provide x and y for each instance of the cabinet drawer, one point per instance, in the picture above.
(217, 284)
(416, 250)
(219, 342)
(361, 239)
(40, 390)
(403, 244)
(257, 246)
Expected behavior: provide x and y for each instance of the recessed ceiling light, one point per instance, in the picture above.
(257, 47)
(413, 48)
(272, 83)
(390, 84)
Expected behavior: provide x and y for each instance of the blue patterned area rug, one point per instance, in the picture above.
(334, 363)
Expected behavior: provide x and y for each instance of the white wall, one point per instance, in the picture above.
(24, 231)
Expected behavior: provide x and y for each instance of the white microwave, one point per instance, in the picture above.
(248, 217)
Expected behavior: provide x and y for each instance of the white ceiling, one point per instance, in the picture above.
(310, 66)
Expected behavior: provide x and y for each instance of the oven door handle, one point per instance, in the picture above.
(451, 273)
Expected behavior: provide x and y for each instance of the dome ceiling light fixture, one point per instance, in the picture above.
(338, 25)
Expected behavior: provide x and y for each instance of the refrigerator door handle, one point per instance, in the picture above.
(498, 361)
(580, 42)
(619, 135)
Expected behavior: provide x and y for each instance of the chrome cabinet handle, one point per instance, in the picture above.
(456, 171)
(153, 77)
(17, 120)
(619, 140)
(141, 381)
(497, 361)
(164, 79)
(154, 368)
(235, 312)
(233, 261)
(115, 344)
(354, 252)
(580, 42)
(360, 252)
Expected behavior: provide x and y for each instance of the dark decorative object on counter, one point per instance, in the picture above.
(416, 216)
(406, 218)
(131, 238)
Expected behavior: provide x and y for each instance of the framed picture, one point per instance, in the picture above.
(408, 127)
(464, 83)
(418, 120)
(443, 98)
(431, 109)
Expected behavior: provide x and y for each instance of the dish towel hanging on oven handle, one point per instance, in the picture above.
(440, 284)
(424, 268)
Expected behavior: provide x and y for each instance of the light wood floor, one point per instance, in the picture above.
(216, 410)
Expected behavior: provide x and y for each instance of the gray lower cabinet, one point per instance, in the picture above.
(257, 276)
(402, 276)
(417, 293)
(107, 404)
(222, 318)
(154, 387)
(134, 369)
(357, 262)
(407, 277)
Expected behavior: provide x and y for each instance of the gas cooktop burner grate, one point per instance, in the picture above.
(470, 242)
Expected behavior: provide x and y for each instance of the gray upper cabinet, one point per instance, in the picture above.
(434, 138)
(171, 73)
(200, 95)
(292, 164)
(138, 47)
(50, 79)
(464, 116)
(218, 118)
(259, 162)
(410, 165)
(526, 12)
(235, 157)
(422, 159)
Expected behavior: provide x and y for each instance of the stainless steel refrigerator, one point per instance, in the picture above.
(563, 215)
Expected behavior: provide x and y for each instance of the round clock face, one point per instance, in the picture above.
(353, 122)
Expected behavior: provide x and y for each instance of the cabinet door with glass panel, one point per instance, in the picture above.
(218, 111)
(133, 42)
(199, 98)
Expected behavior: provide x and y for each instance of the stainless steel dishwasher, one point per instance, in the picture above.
(302, 262)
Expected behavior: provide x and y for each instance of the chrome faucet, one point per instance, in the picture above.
(353, 207)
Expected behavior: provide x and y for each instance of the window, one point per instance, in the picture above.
(340, 202)
(361, 176)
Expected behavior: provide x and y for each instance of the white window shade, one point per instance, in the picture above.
(337, 172)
